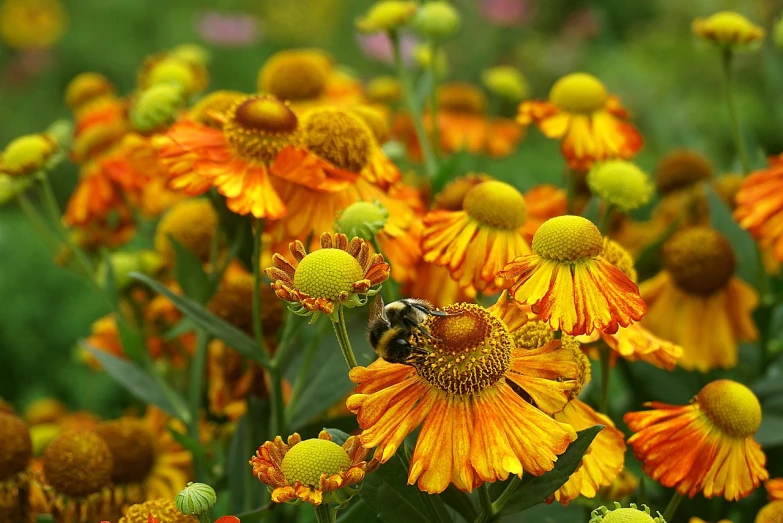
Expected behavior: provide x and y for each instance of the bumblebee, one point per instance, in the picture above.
(391, 327)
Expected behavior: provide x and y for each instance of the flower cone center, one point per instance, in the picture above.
(78, 463)
(132, 447)
(578, 93)
(771, 513)
(470, 352)
(295, 75)
(627, 515)
(327, 273)
(496, 204)
(700, 260)
(17, 447)
(259, 127)
(307, 460)
(163, 510)
(567, 238)
(338, 137)
(731, 406)
(681, 168)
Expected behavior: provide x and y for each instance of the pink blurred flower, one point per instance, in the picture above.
(506, 12)
(378, 47)
(227, 29)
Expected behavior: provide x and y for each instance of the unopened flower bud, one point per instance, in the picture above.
(156, 107)
(196, 499)
(506, 82)
(437, 20)
(388, 15)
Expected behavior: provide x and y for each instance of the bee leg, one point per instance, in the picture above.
(419, 355)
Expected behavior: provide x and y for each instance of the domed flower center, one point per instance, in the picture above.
(26, 154)
(17, 446)
(470, 350)
(375, 120)
(700, 260)
(163, 510)
(132, 447)
(306, 461)
(681, 168)
(568, 238)
(628, 515)
(339, 137)
(213, 106)
(496, 204)
(771, 512)
(452, 197)
(621, 184)
(461, 97)
(259, 127)
(615, 254)
(730, 406)
(78, 463)
(327, 273)
(578, 93)
(295, 75)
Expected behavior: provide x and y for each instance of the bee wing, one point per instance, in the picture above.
(378, 309)
(425, 307)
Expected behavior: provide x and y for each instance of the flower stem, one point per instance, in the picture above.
(430, 164)
(570, 183)
(726, 61)
(323, 514)
(485, 505)
(37, 222)
(342, 338)
(606, 219)
(195, 393)
(434, 97)
(257, 332)
(279, 423)
(606, 369)
(671, 508)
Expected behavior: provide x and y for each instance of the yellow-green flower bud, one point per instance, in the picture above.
(624, 515)
(156, 107)
(125, 262)
(621, 184)
(387, 15)
(11, 186)
(192, 53)
(362, 219)
(506, 82)
(437, 20)
(27, 154)
(422, 54)
(196, 499)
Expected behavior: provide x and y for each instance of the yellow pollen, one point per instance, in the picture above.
(532, 335)
(17, 447)
(585, 373)
(132, 447)
(327, 273)
(164, 510)
(27, 154)
(730, 406)
(294, 75)
(615, 254)
(496, 204)
(306, 461)
(699, 259)
(376, 121)
(681, 168)
(771, 512)
(568, 238)
(461, 97)
(78, 463)
(86, 87)
(578, 93)
(339, 137)
(628, 515)
(259, 127)
(470, 350)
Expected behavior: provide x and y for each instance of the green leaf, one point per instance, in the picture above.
(386, 491)
(460, 502)
(535, 489)
(190, 274)
(770, 433)
(140, 383)
(338, 436)
(247, 492)
(234, 338)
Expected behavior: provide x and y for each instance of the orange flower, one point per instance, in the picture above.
(706, 446)
(312, 470)
(339, 273)
(569, 284)
(476, 427)
(589, 122)
(760, 206)
(542, 203)
(434, 284)
(698, 287)
(477, 241)
(775, 489)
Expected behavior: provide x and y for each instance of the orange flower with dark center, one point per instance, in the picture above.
(476, 427)
(706, 446)
(760, 206)
(590, 123)
(569, 284)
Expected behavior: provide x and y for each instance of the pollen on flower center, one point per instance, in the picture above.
(338, 136)
(628, 515)
(470, 350)
(259, 127)
(327, 273)
(731, 406)
(497, 204)
(568, 238)
(579, 93)
(78, 463)
(700, 260)
(17, 445)
(306, 461)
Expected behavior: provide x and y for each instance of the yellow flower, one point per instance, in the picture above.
(339, 273)
(728, 29)
(476, 426)
(295, 75)
(620, 184)
(313, 470)
(477, 241)
(710, 445)
(624, 515)
(387, 15)
(27, 154)
(698, 287)
(506, 82)
(569, 284)
(31, 24)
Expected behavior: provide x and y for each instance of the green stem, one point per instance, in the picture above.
(671, 508)
(434, 97)
(341, 332)
(509, 491)
(257, 331)
(196, 392)
(204, 518)
(323, 514)
(570, 183)
(38, 224)
(606, 218)
(279, 423)
(304, 370)
(606, 369)
(430, 164)
(726, 59)
(486, 510)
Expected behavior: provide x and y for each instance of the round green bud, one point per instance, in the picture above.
(196, 499)
(362, 219)
(506, 82)
(387, 15)
(621, 184)
(157, 107)
(437, 20)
